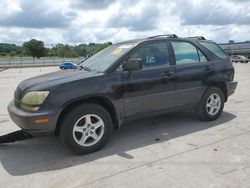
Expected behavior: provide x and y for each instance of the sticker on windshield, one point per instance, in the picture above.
(117, 51)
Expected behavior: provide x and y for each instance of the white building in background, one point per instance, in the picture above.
(237, 48)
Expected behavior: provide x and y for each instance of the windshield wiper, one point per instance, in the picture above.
(85, 68)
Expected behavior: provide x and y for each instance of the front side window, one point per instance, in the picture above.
(215, 49)
(187, 53)
(152, 55)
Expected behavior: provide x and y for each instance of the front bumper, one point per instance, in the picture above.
(231, 86)
(26, 120)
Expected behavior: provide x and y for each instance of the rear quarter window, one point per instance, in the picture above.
(215, 49)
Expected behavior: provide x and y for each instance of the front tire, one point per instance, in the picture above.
(86, 128)
(211, 104)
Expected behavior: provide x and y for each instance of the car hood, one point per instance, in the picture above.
(55, 78)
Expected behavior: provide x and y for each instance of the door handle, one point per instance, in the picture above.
(168, 74)
(208, 68)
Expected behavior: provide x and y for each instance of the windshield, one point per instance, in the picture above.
(106, 57)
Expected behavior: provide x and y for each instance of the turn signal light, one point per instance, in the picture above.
(42, 120)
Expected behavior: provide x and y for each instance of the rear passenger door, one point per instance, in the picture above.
(192, 69)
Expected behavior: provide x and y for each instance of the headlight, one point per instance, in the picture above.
(32, 100)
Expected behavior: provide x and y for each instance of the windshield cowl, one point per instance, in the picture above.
(84, 68)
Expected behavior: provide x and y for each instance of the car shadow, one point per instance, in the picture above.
(47, 153)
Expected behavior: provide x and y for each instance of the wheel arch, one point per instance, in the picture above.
(221, 85)
(100, 100)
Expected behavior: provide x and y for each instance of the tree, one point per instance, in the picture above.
(3, 53)
(100, 47)
(12, 53)
(64, 50)
(7, 48)
(35, 48)
(51, 52)
(80, 50)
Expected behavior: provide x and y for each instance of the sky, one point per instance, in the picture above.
(85, 21)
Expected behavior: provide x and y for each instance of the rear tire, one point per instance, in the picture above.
(211, 104)
(86, 128)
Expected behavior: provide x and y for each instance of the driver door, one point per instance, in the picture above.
(150, 89)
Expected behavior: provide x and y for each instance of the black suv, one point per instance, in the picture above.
(127, 80)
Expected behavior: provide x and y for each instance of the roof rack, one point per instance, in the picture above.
(197, 37)
(167, 36)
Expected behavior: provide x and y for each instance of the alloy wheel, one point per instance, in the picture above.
(88, 130)
(213, 104)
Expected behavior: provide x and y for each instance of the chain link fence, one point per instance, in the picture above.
(13, 62)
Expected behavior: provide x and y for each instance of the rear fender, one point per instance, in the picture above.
(220, 81)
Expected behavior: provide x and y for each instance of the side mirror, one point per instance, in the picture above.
(133, 64)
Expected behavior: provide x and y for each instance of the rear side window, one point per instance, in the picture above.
(187, 53)
(215, 49)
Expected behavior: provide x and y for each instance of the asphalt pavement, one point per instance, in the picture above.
(174, 150)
